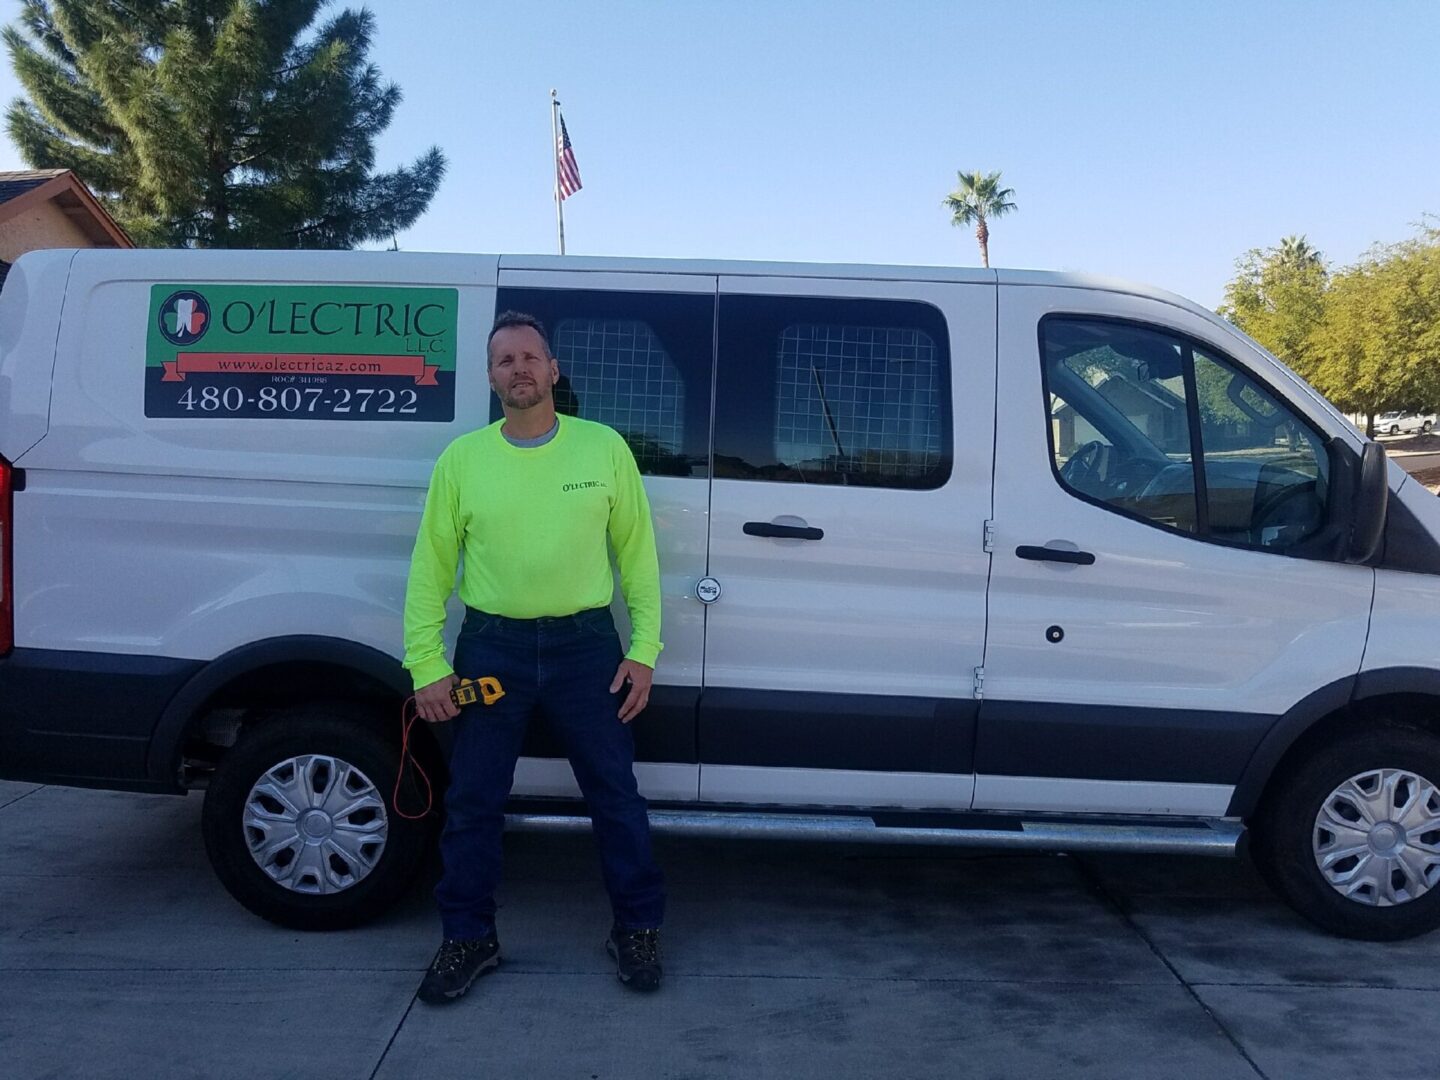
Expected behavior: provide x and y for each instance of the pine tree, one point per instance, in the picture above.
(216, 123)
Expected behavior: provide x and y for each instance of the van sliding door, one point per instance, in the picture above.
(636, 353)
(854, 433)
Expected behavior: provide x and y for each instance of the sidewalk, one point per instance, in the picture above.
(1403, 446)
(1419, 455)
(121, 957)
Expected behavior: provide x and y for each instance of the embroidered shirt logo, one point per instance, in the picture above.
(583, 485)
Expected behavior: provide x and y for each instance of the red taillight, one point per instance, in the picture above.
(7, 557)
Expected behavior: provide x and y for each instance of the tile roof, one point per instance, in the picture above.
(17, 183)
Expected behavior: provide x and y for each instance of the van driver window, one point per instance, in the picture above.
(1129, 406)
(1119, 421)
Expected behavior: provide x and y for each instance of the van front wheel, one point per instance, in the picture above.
(1351, 837)
(298, 823)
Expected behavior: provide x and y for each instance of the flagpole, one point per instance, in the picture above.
(555, 156)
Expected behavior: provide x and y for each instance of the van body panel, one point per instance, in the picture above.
(84, 717)
(1408, 540)
(858, 732)
(1328, 700)
(1043, 794)
(1402, 627)
(743, 268)
(1161, 620)
(31, 305)
(551, 777)
(189, 567)
(220, 532)
(100, 423)
(1067, 739)
(756, 785)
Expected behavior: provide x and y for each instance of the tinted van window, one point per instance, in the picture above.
(637, 362)
(833, 392)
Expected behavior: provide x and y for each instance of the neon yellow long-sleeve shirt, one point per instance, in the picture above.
(532, 523)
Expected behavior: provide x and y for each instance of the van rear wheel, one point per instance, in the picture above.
(298, 823)
(1351, 837)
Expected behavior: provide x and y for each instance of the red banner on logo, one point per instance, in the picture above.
(196, 363)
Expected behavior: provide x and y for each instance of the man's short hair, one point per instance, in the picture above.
(507, 319)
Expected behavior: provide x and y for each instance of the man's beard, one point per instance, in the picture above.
(523, 397)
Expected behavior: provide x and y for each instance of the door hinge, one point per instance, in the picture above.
(989, 544)
(979, 683)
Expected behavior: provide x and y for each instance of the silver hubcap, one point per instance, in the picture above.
(1377, 837)
(315, 824)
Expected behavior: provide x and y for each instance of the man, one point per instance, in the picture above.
(530, 502)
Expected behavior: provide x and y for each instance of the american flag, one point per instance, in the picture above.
(567, 173)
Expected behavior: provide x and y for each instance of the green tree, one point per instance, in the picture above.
(978, 198)
(1278, 298)
(1378, 345)
(216, 123)
(1296, 253)
(1367, 336)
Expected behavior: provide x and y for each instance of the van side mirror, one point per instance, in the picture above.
(1367, 505)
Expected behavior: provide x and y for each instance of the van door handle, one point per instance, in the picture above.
(783, 532)
(1049, 554)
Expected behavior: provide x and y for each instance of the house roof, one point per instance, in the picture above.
(17, 183)
(24, 190)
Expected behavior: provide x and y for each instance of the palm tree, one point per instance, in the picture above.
(1296, 253)
(979, 198)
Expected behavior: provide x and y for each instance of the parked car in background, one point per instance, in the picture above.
(1401, 423)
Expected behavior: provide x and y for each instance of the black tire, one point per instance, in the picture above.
(340, 732)
(1425, 427)
(1283, 834)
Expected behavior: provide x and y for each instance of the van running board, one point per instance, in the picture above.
(1218, 838)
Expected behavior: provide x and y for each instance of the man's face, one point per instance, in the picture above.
(520, 372)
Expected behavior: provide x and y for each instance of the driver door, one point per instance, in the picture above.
(1143, 635)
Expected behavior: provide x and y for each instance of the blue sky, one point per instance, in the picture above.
(1155, 141)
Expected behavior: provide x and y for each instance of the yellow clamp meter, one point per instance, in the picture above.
(468, 691)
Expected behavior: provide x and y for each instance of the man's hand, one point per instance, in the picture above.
(640, 677)
(433, 702)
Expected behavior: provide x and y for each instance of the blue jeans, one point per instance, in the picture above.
(561, 668)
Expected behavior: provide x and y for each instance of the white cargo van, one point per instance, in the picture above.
(949, 556)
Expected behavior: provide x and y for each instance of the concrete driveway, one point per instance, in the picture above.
(120, 956)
